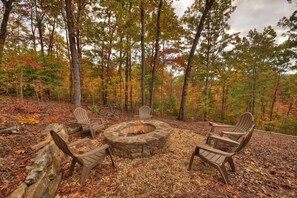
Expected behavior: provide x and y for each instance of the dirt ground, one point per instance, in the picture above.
(266, 168)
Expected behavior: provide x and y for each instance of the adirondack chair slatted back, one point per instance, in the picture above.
(81, 116)
(63, 145)
(144, 112)
(245, 139)
(245, 122)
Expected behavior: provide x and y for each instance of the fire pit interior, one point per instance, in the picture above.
(138, 139)
(137, 128)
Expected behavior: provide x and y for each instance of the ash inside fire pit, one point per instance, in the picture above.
(138, 139)
(133, 129)
(135, 133)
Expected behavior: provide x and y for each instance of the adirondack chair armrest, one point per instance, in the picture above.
(101, 148)
(214, 125)
(213, 150)
(78, 142)
(223, 139)
(101, 120)
(232, 133)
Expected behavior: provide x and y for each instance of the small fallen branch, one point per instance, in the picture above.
(12, 130)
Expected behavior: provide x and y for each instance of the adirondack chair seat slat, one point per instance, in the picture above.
(215, 158)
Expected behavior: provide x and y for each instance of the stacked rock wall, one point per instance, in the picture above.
(45, 176)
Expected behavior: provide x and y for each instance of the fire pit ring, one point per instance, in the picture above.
(138, 139)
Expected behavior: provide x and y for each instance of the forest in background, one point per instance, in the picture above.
(127, 53)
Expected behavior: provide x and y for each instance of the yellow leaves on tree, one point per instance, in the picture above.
(28, 119)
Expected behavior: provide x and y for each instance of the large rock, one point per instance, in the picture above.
(32, 177)
(39, 188)
(55, 127)
(44, 178)
(54, 185)
(41, 162)
(20, 192)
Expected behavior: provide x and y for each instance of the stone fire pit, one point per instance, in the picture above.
(138, 139)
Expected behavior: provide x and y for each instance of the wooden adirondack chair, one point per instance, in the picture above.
(83, 119)
(244, 123)
(144, 113)
(218, 158)
(88, 160)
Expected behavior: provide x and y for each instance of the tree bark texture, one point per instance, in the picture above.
(224, 100)
(74, 54)
(206, 89)
(51, 39)
(142, 53)
(126, 81)
(208, 5)
(33, 28)
(3, 28)
(274, 97)
(155, 61)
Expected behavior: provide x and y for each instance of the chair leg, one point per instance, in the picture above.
(223, 172)
(73, 162)
(109, 153)
(92, 131)
(196, 152)
(84, 175)
(231, 163)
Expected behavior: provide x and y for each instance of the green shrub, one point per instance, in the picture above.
(287, 125)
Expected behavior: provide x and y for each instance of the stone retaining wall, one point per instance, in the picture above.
(44, 177)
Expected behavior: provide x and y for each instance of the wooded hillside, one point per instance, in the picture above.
(127, 53)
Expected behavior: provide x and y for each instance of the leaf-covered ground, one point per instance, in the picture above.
(266, 168)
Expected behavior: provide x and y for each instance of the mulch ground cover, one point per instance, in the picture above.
(266, 168)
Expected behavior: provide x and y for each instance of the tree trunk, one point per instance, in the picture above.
(252, 108)
(223, 101)
(128, 47)
(71, 78)
(74, 55)
(274, 97)
(104, 100)
(108, 64)
(39, 19)
(290, 107)
(80, 7)
(208, 5)
(3, 28)
(155, 61)
(142, 54)
(51, 39)
(162, 81)
(21, 86)
(39, 27)
(263, 108)
(120, 72)
(33, 30)
(126, 81)
(206, 89)
(130, 81)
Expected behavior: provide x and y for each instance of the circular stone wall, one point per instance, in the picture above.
(126, 142)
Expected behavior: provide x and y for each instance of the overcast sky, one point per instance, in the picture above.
(251, 14)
